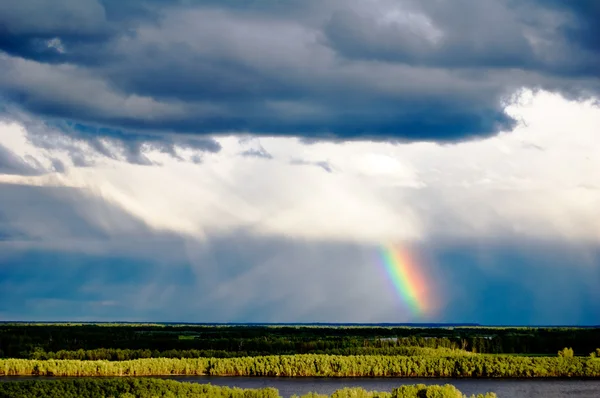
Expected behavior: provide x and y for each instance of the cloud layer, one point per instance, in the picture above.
(407, 70)
(252, 159)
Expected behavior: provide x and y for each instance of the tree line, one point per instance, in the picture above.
(147, 388)
(117, 354)
(474, 366)
(20, 341)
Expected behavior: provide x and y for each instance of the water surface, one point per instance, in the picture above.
(505, 388)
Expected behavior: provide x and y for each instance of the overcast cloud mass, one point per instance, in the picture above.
(233, 161)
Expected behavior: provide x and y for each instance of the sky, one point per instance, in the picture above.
(265, 161)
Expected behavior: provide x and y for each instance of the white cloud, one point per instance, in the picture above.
(540, 180)
(56, 44)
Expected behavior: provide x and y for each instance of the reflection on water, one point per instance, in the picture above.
(525, 388)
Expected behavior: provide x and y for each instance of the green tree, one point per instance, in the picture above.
(566, 353)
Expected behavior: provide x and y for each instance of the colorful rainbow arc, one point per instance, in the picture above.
(406, 278)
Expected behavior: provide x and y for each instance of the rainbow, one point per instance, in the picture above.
(407, 279)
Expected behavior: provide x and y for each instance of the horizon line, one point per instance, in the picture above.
(366, 324)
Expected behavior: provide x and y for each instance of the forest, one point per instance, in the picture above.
(147, 388)
(126, 342)
(111, 360)
(317, 365)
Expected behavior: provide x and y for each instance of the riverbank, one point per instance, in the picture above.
(128, 388)
(318, 366)
(297, 386)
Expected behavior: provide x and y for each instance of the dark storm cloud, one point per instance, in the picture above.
(332, 69)
(584, 31)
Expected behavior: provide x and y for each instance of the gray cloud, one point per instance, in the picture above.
(62, 18)
(492, 38)
(398, 70)
(12, 164)
(114, 144)
(322, 164)
(257, 153)
(484, 35)
(255, 150)
(58, 165)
